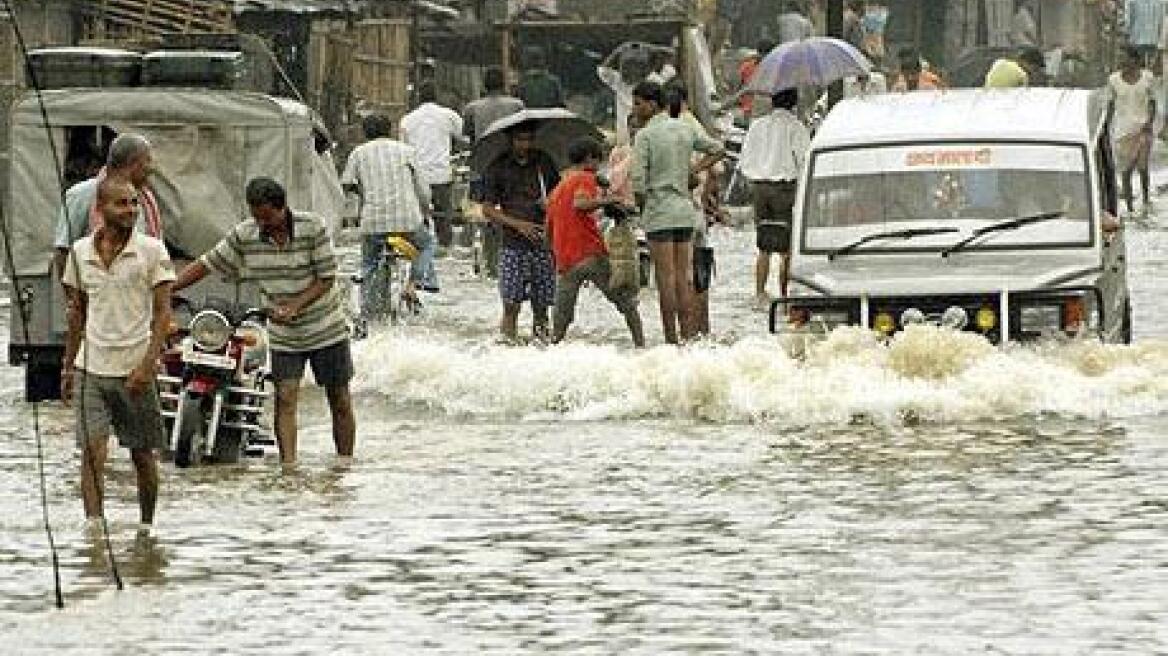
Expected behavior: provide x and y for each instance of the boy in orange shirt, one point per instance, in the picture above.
(577, 245)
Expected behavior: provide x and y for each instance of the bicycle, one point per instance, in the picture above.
(388, 286)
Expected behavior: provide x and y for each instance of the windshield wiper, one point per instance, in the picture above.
(892, 234)
(1001, 226)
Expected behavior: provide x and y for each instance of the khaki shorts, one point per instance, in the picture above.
(102, 403)
(597, 271)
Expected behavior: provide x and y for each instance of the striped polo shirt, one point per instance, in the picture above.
(282, 272)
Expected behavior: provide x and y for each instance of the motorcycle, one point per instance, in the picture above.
(213, 387)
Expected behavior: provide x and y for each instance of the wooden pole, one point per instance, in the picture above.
(835, 28)
(506, 63)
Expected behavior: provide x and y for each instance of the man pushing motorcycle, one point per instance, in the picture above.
(289, 255)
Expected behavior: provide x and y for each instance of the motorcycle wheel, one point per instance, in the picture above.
(192, 432)
(228, 446)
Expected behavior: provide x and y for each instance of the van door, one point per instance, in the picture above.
(1113, 280)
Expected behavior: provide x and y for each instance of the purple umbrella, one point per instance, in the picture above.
(814, 62)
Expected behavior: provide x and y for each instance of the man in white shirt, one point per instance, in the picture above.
(117, 281)
(1133, 90)
(869, 84)
(793, 23)
(394, 201)
(1023, 27)
(432, 130)
(772, 158)
(623, 69)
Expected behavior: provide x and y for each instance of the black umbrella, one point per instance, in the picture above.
(555, 130)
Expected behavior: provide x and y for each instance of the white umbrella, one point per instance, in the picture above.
(813, 62)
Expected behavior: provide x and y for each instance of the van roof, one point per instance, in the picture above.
(1073, 115)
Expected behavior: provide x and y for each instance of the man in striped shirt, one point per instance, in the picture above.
(289, 255)
(394, 201)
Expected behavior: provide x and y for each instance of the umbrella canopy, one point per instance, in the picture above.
(555, 130)
(814, 62)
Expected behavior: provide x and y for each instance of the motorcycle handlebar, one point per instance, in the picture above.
(256, 313)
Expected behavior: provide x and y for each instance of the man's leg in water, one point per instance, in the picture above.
(663, 267)
(543, 290)
(567, 293)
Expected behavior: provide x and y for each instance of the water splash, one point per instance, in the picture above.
(925, 374)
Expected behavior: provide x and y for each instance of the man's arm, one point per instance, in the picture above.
(66, 232)
(226, 258)
(1153, 91)
(350, 175)
(639, 171)
(290, 309)
(324, 268)
(713, 149)
(144, 373)
(60, 256)
(421, 189)
(458, 135)
(191, 274)
(528, 229)
(76, 311)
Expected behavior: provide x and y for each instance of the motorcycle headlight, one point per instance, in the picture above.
(210, 330)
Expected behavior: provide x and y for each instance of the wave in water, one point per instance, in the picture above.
(925, 374)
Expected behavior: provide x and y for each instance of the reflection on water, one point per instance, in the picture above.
(1031, 535)
(929, 496)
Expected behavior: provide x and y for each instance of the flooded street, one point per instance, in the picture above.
(935, 496)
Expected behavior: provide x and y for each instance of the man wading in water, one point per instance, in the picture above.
(1132, 88)
(290, 256)
(517, 187)
(117, 281)
(580, 253)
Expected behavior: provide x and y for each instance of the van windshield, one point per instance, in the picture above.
(860, 191)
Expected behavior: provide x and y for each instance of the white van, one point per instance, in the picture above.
(991, 211)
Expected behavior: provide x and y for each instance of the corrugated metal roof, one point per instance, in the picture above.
(310, 6)
(297, 6)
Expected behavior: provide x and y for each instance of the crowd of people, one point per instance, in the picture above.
(545, 227)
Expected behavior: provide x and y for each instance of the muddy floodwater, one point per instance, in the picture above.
(932, 496)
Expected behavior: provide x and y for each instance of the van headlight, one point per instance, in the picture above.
(912, 317)
(210, 330)
(955, 318)
(1041, 318)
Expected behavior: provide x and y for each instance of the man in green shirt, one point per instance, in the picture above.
(539, 87)
(661, 172)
